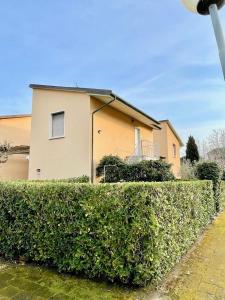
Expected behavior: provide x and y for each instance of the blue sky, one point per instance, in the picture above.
(155, 54)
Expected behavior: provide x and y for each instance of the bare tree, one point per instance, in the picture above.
(187, 170)
(4, 151)
(213, 148)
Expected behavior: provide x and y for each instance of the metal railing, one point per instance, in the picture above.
(147, 150)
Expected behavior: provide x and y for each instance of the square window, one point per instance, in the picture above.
(57, 128)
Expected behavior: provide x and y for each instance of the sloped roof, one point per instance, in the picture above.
(100, 92)
(173, 130)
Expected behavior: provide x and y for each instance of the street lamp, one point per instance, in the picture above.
(211, 7)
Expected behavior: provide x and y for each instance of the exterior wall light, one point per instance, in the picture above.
(211, 7)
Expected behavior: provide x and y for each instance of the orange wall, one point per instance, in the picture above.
(114, 132)
(166, 138)
(15, 168)
(16, 131)
(175, 161)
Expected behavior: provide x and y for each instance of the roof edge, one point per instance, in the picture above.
(173, 130)
(137, 109)
(72, 89)
(93, 91)
(15, 116)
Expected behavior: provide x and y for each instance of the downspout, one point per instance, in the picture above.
(92, 136)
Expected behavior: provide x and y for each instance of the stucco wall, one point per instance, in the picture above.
(16, 131)
(166, 138)
(114, 132)
(174, 160)
(65, 157)
(160, 137)
(15, 168)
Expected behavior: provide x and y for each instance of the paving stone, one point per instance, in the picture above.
(5, 277)
(3, 284)
(44, 292)
(9, 291)
(23, 296)
(60, 297)
(31, 282)
(25, 284)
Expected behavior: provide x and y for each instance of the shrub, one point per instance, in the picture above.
(208, 171)
(211, 171)
(147, 171)
(223, 176)
(132, 233)
(111, 167)
(144, 171)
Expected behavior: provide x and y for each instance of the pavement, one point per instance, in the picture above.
(201, 275)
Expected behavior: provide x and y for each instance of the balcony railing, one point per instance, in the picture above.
(147, 150)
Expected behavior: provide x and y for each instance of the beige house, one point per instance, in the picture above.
(15, 130)
(73, 128)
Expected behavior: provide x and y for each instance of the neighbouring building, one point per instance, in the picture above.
(72, 128)
(170, 144)
(15, 130)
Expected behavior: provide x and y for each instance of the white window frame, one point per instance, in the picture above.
(51, 137)
(137, 141)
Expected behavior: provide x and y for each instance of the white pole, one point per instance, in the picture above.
(213, 10)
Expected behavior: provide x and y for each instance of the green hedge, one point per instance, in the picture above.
(132, 233)
(222, 195)
(81, 179)
(211, 171)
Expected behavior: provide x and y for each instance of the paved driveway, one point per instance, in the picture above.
(202, 275)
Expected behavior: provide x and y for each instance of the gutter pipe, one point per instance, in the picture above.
(92, 135)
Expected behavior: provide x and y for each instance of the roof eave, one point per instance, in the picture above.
(71, 89)
(156, 123)
(173, 130)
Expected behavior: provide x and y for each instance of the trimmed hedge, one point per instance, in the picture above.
(81, 179)
(132, 233)
(211, 171)
(222, 195)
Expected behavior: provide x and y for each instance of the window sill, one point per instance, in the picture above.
(57, 137)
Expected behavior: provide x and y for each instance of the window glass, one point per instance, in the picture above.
(58, 124)
(174, 150)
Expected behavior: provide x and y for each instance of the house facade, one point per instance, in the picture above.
(73, 128)
(170, 145)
